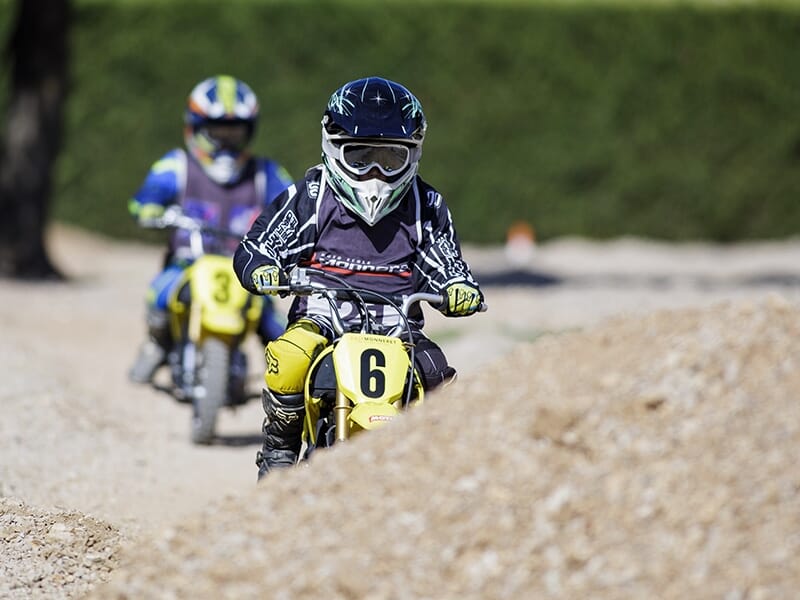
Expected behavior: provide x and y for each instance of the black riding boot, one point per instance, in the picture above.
(153, 353)
(283, 430)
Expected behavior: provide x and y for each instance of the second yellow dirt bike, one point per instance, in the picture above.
(210, 315)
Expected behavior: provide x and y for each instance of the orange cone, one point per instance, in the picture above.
(520, 243)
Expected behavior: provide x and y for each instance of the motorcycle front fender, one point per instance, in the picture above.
(372, 415)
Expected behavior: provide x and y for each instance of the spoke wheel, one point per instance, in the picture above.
(211, 390)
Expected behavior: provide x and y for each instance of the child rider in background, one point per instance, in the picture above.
(216, 180)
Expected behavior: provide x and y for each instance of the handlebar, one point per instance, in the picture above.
(174, 218)
(178, 220)
(300, 284)
(404, 302)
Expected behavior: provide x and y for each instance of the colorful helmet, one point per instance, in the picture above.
(220, 119)
(372, 134)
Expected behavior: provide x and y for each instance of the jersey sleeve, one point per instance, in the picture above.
(440, 261)
(283, 235)
(161, 187)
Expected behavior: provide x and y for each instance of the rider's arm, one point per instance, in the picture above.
(439, 262)
(160, 189)
(283, 235)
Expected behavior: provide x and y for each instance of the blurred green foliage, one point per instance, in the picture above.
(676, 121)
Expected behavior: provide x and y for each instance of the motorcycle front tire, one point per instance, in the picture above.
(212, 389)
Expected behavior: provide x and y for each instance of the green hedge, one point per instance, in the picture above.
(678, 122)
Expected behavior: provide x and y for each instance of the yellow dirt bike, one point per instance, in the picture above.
(210, 315)
(365, 378)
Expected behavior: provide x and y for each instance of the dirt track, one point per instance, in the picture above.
(610, 420)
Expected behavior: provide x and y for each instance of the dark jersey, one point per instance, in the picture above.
(414, 248)
(176, 178)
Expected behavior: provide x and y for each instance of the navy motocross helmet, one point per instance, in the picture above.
(372, 134)
(220, 119)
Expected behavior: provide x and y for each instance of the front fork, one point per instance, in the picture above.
(189, 369)
(341, 411)
(189, 358)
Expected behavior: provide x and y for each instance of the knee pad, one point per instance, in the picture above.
(290, 356)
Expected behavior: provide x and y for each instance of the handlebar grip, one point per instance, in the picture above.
(151, 223)
(482, 307)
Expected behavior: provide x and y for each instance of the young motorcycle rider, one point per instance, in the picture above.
(219, 182)
(365, 215)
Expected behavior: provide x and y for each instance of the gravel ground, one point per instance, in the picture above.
(625, 425)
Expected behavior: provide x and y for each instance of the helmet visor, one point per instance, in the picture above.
(360, 158)
(226, 136)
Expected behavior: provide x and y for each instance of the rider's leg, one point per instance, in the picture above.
(153, 352)
(270, 326)
(283, 429)
(431, 362)
(288, 360)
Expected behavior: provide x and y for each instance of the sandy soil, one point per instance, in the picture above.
(625, 425)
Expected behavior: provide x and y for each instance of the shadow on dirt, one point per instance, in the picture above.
(231, 441)
(528, 278)
(239, 441)
(517, 277)
(700, 282)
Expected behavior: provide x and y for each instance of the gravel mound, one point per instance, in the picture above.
(53, 554)
(648, 457)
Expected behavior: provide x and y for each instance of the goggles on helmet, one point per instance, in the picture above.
(226, 136)
(359, 158)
